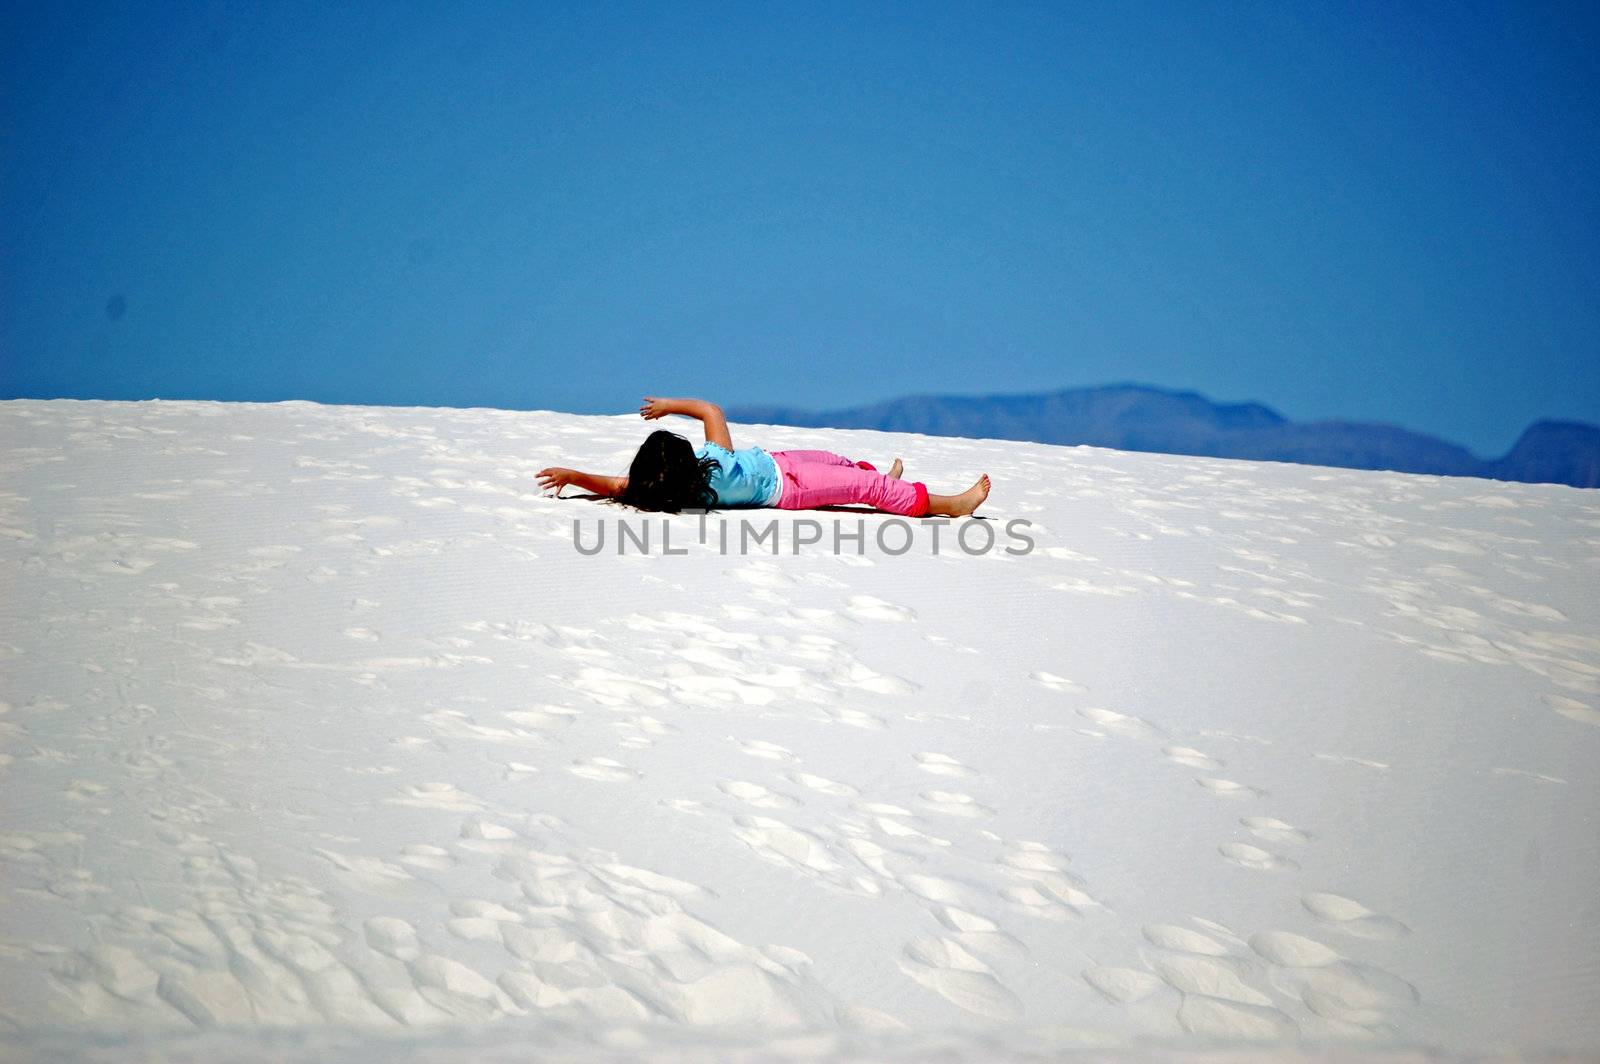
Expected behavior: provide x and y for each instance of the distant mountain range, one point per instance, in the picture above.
(1134, 417)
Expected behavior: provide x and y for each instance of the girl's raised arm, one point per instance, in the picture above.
(710, 414)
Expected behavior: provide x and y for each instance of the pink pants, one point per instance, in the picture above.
(822, 478)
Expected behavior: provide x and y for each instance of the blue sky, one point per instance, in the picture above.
(1384, 212)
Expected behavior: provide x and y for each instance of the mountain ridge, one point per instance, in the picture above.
(1141, 417)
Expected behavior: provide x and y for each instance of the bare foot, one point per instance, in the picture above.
(896, 469)
(960, 505)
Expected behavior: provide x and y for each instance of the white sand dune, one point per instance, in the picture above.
(315, 725)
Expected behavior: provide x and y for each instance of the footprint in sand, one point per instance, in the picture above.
(775, 841)
(545, 717)
(1123, 986)
(601, 768)
(1350, 917)
(856, 718)
(894, 829)
(1572, 709)
(823, 785)
(756, 795)
(1540, 777)
(979, 932)
(1228, 788)
(1032, 857)
(484, 910)
(486, 830)
(1187, 755)
(954, 803)
(640, 732)
(1121, 723)
(867, 608)
(1346, 758)
(861, 1018)
(422, 855)
(458, 989)
(393, 937)
(1357, 994)
(1212, 977)
(611, 689)
(1057, 683)
(889, 864)
(474, 929)
(931, 888)
(947, 969)
(368, 873)
(1248, 856)
(1236, 1021)
(950, 644)
(765, 750)
(864, 679)
(1289, 950)
(1275, 830)
(1048, 891)
(882, 809)
(1183, 940)
(440, 795)
(943, 765)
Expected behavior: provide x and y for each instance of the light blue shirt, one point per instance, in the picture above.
(746, 477)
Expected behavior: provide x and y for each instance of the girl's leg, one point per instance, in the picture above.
(807, 485)
(822, 458)
(960, 505)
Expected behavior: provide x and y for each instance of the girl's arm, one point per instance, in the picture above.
(556, 477)
(710, 414)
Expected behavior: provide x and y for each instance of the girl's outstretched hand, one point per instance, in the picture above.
(556, 477)
(653, 408)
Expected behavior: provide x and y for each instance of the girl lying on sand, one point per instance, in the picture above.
(669, 474)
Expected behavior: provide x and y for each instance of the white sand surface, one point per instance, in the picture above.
(315, 724)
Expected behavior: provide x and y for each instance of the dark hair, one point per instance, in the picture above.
(665, 475)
